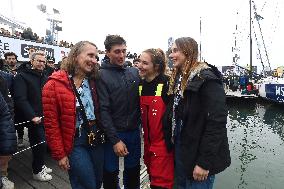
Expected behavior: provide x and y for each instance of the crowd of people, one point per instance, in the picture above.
(28, 34)
(182, 116)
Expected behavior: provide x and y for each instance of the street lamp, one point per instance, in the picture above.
(52, 33)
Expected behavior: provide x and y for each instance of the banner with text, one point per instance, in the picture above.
(21, 48)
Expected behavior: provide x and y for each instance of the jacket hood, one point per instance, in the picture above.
(203, 72)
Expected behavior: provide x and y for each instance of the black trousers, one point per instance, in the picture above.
(36, 135)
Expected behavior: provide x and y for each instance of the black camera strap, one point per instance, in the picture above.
(82, 108)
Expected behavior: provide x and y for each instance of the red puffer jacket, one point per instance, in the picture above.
(59, 109)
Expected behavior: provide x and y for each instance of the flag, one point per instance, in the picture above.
(56, 11)
(42, 8)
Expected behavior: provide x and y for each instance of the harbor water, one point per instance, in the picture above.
(256, 138)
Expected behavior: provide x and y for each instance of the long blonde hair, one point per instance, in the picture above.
(189, 47)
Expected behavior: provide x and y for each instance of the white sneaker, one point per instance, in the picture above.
(7, 184)
(42, 176)
(46, 169)
(21, 143)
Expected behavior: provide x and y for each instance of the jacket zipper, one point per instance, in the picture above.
(147, 122)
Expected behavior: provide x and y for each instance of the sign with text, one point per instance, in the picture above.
(21, 48)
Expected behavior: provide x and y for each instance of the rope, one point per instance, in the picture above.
(24, 122)
(21, 151)
(27, 148)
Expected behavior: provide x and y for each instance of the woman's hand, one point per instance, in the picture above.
(200, 174)
(64, 163)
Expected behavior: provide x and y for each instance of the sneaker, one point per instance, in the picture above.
(46, 169)
(7, 184)
(20, 143)
(42, 176)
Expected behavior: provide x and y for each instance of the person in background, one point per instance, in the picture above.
(27, 64)
(66, 137)
(27, 87)
(11, 61)
(63, 63)
(49, 67)
(135, 63)
(120, 112)
(197, 115)
(153, 99)
(19, 118)
(5, 157)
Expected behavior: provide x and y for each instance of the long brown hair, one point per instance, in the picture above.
(74, 53)
(189, 47)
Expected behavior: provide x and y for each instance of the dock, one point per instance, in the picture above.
(20, 171)
(238, 94)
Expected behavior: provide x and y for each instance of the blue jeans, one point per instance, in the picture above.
(181, 179)
(132, 141)
(86, 164)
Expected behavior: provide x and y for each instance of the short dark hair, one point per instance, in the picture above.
(10, 54)
(136, 60)
(112, 40)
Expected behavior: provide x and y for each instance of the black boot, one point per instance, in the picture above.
(131, 177)
(110, 180)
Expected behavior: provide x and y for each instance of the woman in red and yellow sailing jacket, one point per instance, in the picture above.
(153, 98)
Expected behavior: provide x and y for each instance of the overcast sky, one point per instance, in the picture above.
(149, 23)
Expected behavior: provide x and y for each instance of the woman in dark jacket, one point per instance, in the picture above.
(197, 117)
(8, 140)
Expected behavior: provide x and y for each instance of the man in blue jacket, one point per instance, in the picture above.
(8, 142)
(120, 114)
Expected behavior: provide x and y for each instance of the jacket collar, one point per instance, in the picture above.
(200, 74)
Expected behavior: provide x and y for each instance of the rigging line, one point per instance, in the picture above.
(21, 151)
(258, 45)
(266, 53)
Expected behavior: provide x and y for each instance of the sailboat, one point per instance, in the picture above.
(272, 89)
(269, 87)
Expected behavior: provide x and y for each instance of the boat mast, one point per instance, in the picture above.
(250, 41)
(200, 49)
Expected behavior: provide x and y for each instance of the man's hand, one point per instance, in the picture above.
(64, 163)
(200, 174)
(36, 120)
(120, 149)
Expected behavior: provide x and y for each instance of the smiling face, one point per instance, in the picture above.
(147, 69)
(177, 56)
(117, 54)
(87, 60)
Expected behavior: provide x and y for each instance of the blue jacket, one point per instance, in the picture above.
(7, 130)
(8, 78)
(119, 99)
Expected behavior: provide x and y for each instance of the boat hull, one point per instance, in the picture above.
(272, 91)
